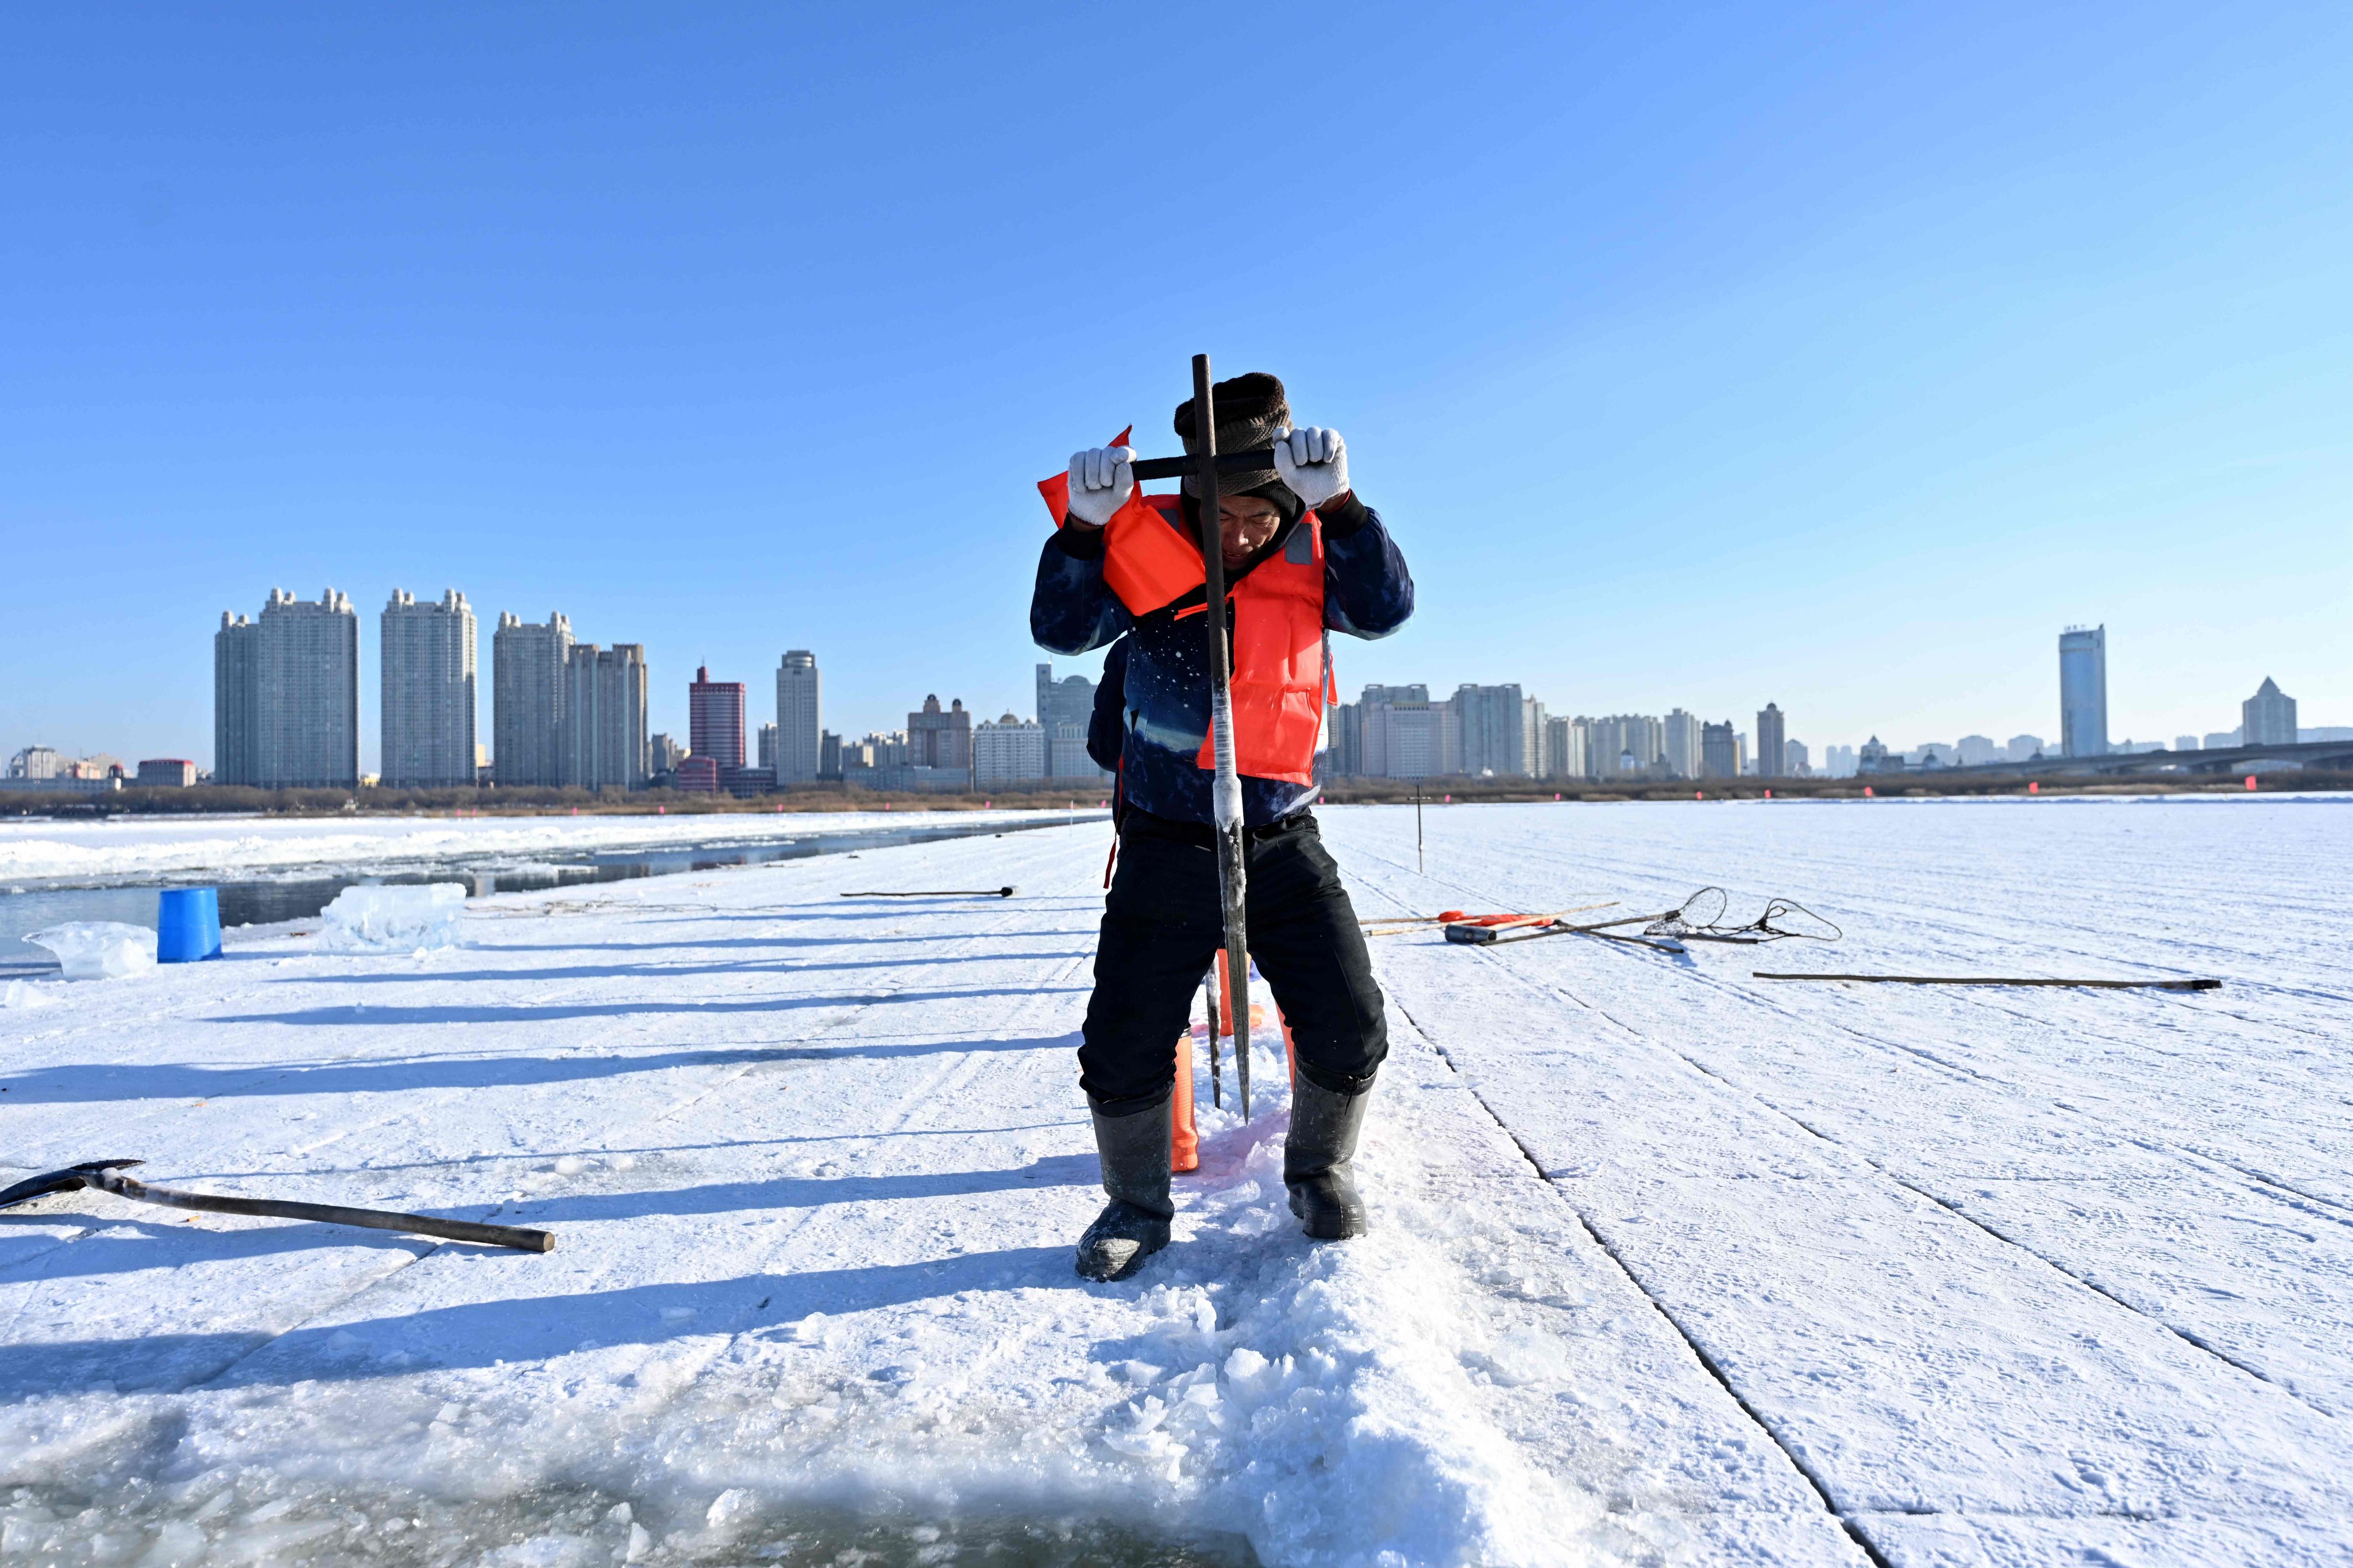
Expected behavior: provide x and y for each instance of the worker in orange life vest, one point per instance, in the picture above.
(1304, 557)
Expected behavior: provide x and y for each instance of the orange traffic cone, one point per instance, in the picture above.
(1184, 1142)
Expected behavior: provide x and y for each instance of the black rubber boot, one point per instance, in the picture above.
(1134, 1224)
(1316, 1160)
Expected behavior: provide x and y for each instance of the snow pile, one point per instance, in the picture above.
(97, 950)
(384, 919)
(27, 994)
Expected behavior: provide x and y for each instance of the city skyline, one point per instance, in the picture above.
(1485, 729)
(1973, 326)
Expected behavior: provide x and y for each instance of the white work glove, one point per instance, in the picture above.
(1102, 480)
(1314, 462)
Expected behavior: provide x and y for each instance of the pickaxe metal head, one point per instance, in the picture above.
(71, 1179)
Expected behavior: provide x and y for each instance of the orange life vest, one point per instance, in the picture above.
(1281, 676)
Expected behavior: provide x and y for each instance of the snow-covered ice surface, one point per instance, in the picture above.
(1669, 1265)
(34, 851)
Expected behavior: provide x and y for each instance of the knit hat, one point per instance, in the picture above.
(1250, 409)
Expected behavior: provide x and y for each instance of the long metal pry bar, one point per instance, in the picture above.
(1227, 799)
(107, 1176)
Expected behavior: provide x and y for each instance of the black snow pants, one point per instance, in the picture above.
(1161, 927)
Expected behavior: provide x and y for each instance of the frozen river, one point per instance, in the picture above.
(1670, 1265)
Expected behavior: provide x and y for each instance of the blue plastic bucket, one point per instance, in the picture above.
(187, 925)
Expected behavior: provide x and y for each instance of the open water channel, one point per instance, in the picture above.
(299, 895)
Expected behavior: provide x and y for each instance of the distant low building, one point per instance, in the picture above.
(745, 782)
(35, 763)
(2022, 748)
(166, 773)
(1976, 751)
(1875, 759)
(1794, 763)
(2222, 741)
(2185, 743)
(697, 775)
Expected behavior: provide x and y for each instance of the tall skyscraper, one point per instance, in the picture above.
(800, 718)
(1495, 724)
(1680, 744)
(2083, 692)
(1719, 753)
(715, 719)
(427, 669)
(290, 682)
(604, 726)
(2268, 718)
(527, 679)
(1772, 760)
(237, 689)
(1566, 749)
(1062, 705)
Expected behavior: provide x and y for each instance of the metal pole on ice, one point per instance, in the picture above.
(1226, 798)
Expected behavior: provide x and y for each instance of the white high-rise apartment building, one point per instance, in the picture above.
(1567, 748)
(426, 659)
(527, 690)
(1501, 731)
(800, 718)
(1010, 751)
(604, 732)
(1401, 735)
(1679, 744)
(2268, 718)
(286, 695)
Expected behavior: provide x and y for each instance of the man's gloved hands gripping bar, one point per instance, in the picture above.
(1102, 480)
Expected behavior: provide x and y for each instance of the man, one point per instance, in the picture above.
(1303, 558)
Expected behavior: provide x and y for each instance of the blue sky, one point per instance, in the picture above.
(1698, 357)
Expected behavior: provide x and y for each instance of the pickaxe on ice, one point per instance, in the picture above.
(106, 1175)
